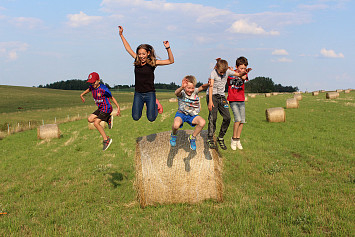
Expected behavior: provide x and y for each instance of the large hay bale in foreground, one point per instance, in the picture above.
(275, 115)
(166, 174)
(48, 131)
(292, 103)
(298, 96)
(315, 93)
(91, 126)
(332, 95)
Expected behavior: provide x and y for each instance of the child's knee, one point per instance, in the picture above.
(202, 122)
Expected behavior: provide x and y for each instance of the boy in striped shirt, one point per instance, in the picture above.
(102, 97)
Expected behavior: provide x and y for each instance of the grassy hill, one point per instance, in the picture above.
(294, 178)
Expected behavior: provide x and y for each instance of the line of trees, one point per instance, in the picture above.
(256, 85)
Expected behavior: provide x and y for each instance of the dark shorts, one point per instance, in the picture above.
(186, 118)
(102, 115)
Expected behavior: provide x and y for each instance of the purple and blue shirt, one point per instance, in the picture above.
(101, 97)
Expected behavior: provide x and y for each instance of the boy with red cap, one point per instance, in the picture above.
(102, 97)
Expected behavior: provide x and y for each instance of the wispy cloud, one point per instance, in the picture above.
(329, 53)
(27, 22)
(10, 50)
(81, 19)
(279, 52)
(282, 60)
(244, 27)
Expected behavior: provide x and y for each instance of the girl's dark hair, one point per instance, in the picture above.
(240, 61)
(151, 58)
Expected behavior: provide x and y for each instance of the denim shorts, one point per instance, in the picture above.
(238, 109)
(185, 118)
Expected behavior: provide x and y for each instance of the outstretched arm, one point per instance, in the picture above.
(170, 60)
(203, 87)
(183, 85)
(125, 43)
(118, 107)
(84, 93)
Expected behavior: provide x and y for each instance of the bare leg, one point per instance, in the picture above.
(200, 123)
(99, 128)
(237, 129)
(176, 125)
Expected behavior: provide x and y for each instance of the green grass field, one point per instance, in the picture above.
(292, 179)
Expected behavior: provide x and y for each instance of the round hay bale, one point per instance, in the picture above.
(275, 115)
(92, 126)
(298, 96)
(347, 91)
(275, 93)
(332, 95)
(166, 174)
(173, 100)
(252, 95)
(246, 98)
(315, 93)
(267, 94)
(292, 103)
(48, 131)
(339, 90)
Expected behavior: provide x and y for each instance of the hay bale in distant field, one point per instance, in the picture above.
(339, 90)
(292, 103)
(298, 96)
(332, 95)
(315, 93)
(252, 95)
(347, 91)
(275, 93)
(246, 98)
(275, 115)
(48, 131)
(92, 126)
(166, 174)
(173, 100)
(267, 94)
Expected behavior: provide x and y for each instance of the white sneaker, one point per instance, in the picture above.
(239, 145)
(233, 144)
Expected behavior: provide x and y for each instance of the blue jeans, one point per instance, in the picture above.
(238, 108)
(149, 99)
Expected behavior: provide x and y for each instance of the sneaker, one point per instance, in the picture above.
(106, 143)
(220, 142)
(211, 144)
(192, 143)
(233, 144)
(109, 122)
(173, 140)
(160, 107)
(239, 145)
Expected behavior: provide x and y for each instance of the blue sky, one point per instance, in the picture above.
(303, 43)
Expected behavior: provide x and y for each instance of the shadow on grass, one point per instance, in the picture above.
(115, 179)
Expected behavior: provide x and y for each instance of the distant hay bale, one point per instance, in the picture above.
(48, 131)
(315, 93)
(275, 93)
(246, 98)
(297, 92)
(332, 95)
(339, 90)
(347, 91)
(92, 126)
(275, 115)
(166, 174)
(292, 103)
(173, 100)
(298, 96)
(267, 94)
(252, 95)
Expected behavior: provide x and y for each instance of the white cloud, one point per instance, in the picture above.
(244, 27)
(81, 19)
(9, 50)
(279, 52)
(27, 22)
(283, 60)
(330, 53)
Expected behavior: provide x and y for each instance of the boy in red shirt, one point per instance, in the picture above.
(102, 96)
(236, 100)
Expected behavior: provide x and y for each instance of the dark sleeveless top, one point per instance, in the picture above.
(144, 78)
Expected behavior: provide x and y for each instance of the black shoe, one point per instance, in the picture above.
(109, 122)
(211, 144)
(106, 143)
(221, 143)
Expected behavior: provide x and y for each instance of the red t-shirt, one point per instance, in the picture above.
(235, 88)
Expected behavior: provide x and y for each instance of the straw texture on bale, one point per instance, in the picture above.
(332, 95)
(339, 90)
(173, 100)
(48, 131)
(166, 174)
(315, 93)
(346, 91)
(275, 93)
(92, 126)
(275, 115)
(267, 94)
(292, 103)
(298, 96)
(252, 95)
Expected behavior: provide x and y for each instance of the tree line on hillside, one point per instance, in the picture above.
(256, 85)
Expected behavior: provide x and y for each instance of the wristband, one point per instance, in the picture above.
(168, 47)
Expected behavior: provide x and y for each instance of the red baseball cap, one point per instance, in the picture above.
(94, 76)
